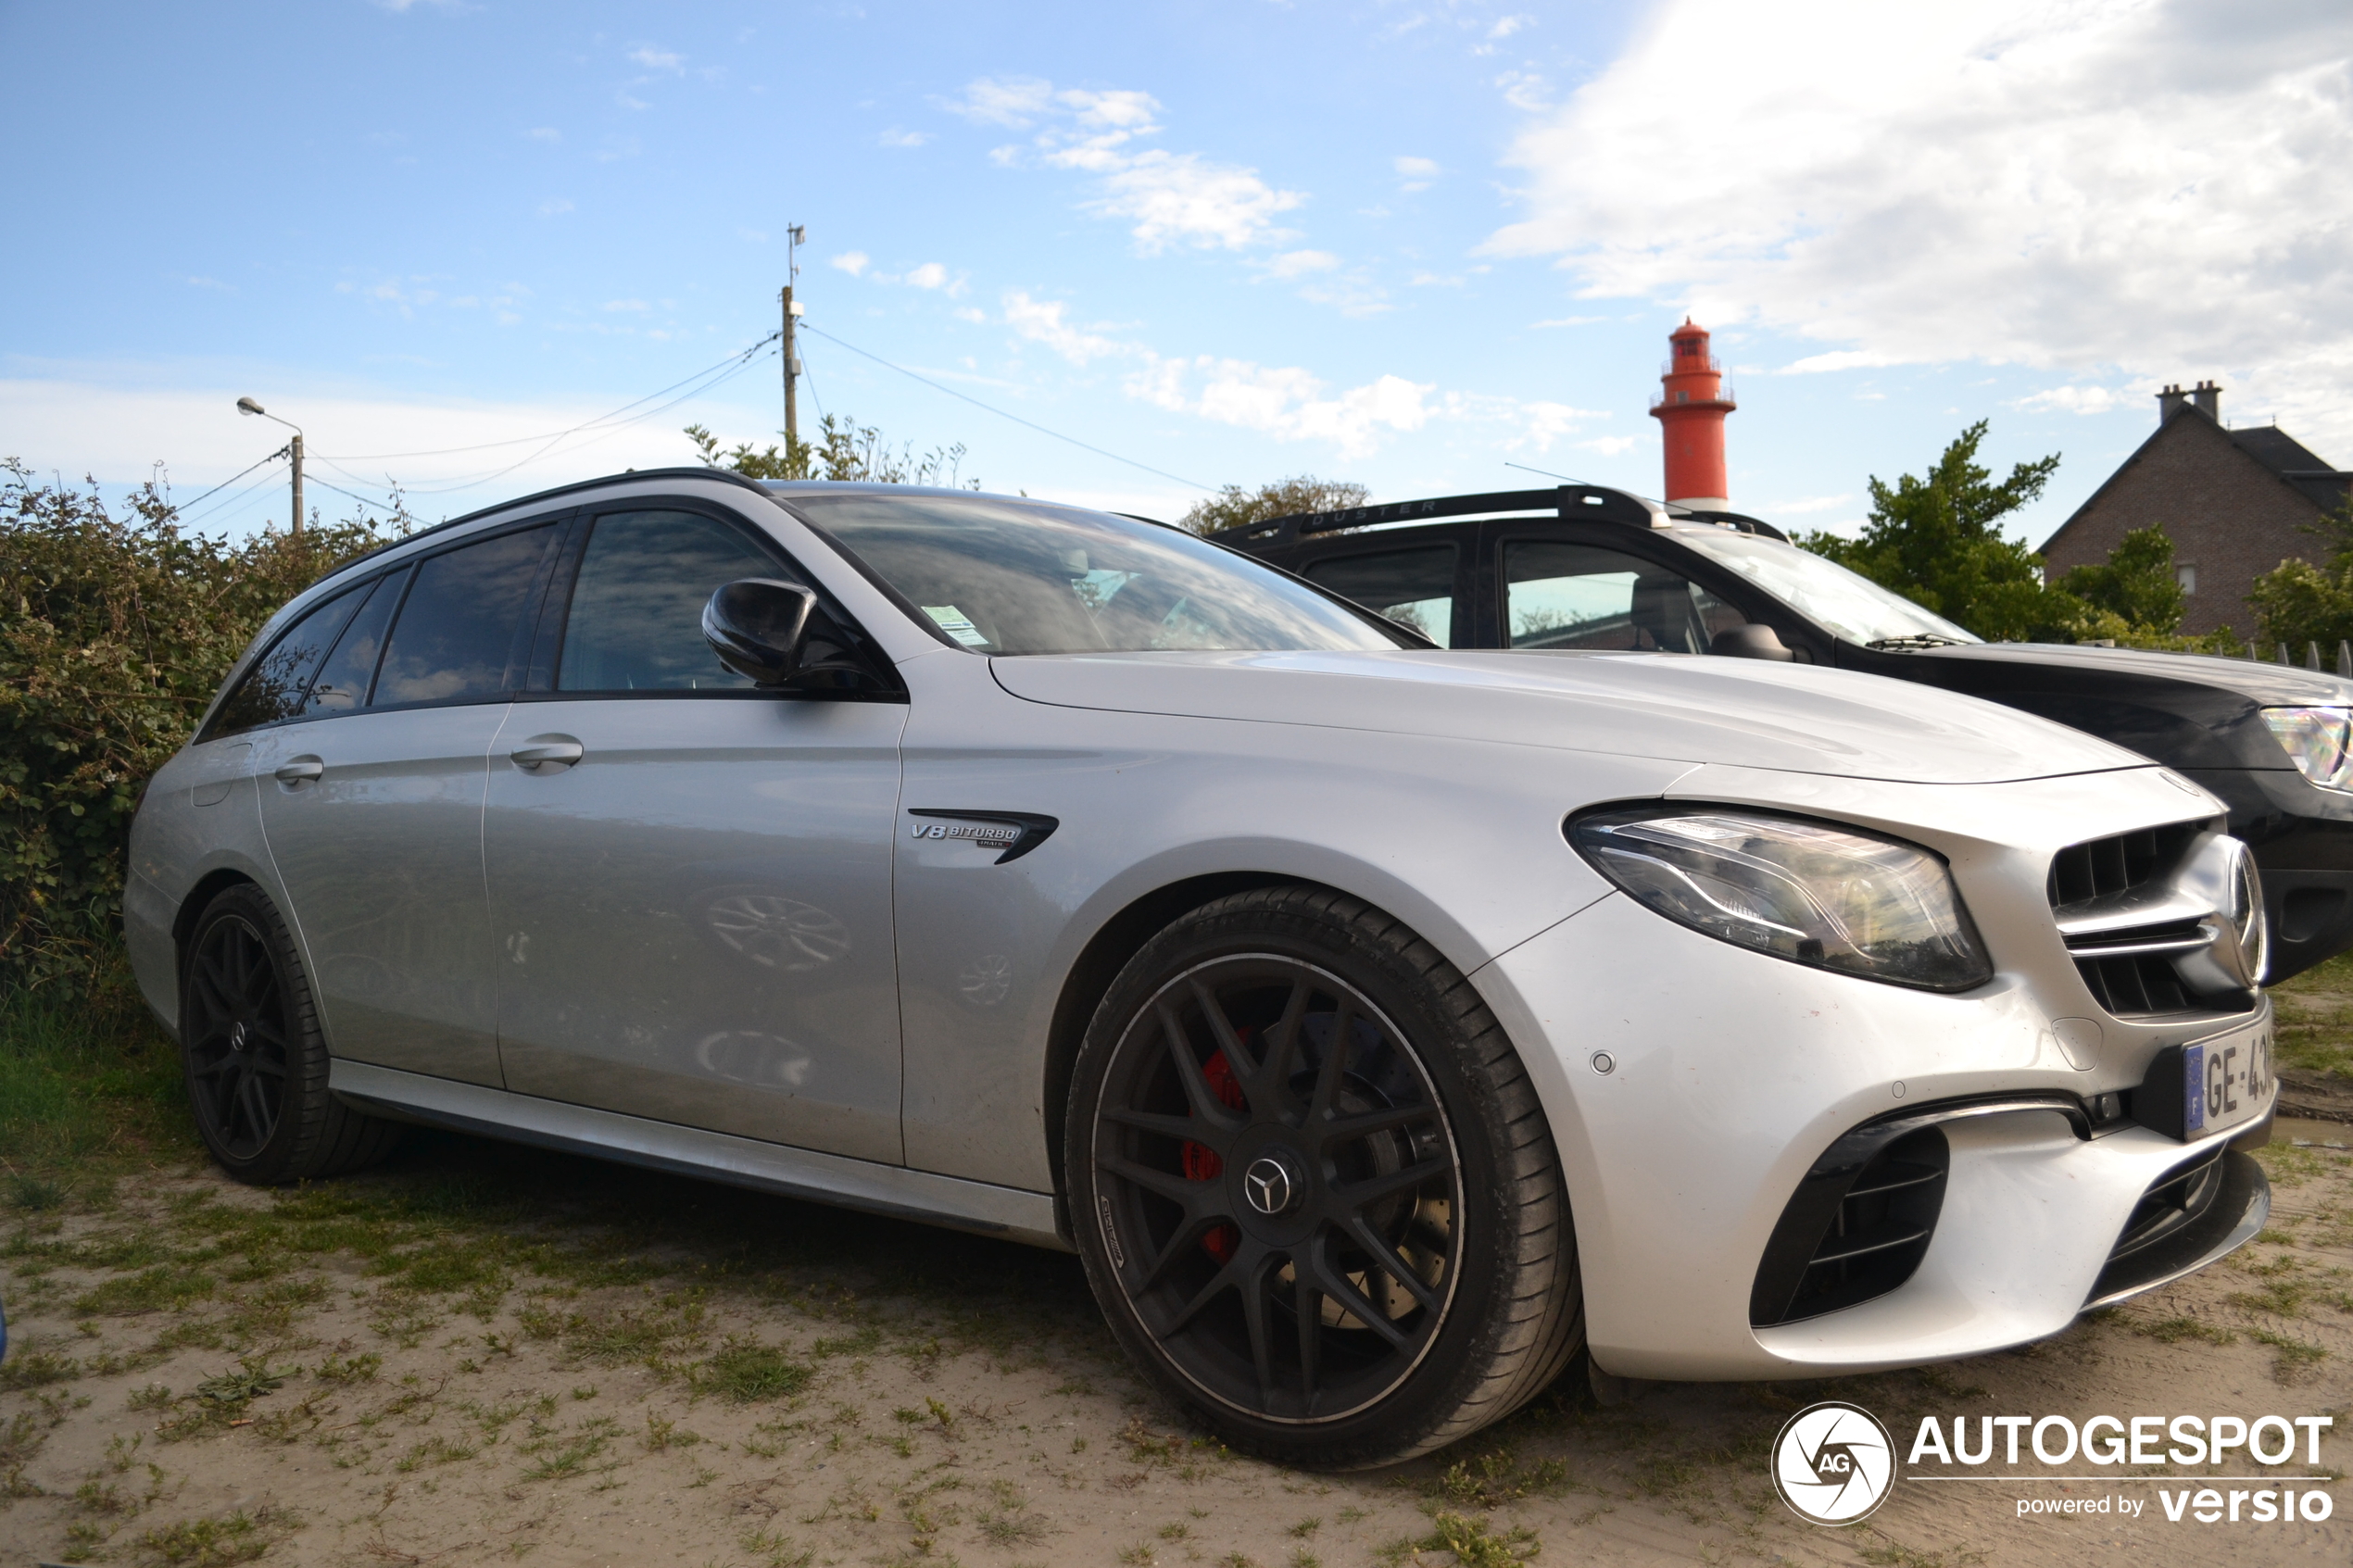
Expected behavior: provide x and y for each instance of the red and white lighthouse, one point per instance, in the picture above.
(1691, 404)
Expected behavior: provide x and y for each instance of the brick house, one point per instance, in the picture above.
(2234, 502)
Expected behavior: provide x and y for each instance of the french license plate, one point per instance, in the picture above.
(2226, 1080)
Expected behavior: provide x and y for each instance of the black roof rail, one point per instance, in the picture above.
(1565, 501)
(728, 475)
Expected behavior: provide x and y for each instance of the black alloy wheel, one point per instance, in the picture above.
(1309, 1188)
(255, 1061)
(1285, 1178)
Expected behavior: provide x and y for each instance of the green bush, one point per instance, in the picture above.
(114, 635)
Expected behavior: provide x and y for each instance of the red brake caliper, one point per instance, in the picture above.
(1202, 1163)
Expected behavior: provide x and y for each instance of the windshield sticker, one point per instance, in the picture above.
(957, 624)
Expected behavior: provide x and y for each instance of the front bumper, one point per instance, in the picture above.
(1729, 1073)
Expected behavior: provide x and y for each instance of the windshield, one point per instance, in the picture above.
(1838, 600)
(1012, 577)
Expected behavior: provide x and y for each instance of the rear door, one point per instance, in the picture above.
(1568, 588)
(371, 803)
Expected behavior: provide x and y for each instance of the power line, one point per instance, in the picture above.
(230, 480)
(744, 354)
(231, 503)
(341, 491)
(1001, 414)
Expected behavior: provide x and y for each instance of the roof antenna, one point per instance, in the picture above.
(1546, 472)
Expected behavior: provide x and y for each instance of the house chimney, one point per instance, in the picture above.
(2171, 402)
(1691, 404)
(2208, 400)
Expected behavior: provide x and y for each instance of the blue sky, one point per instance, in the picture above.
(1402, 242)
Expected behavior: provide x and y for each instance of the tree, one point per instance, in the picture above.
(2137, 587)
(844, 450)
(2297, 602)
(1233, 506)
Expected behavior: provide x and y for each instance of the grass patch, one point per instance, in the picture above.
(88, 1085)
(747, 1371)
(214, 1543)
(2316, 1018)
(165, 1287)
(1476, 1546)
(2173, 1331)
(37, 1371)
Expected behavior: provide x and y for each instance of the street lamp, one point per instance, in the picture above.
(294, 449)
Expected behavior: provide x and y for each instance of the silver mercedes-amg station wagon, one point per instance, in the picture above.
(1382, 1025)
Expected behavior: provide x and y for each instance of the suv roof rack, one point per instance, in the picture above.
(1565, 501)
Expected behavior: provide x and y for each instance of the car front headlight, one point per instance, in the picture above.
(1814, 894)
(2318, 740)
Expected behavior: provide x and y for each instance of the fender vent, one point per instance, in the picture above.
(1853, 1231)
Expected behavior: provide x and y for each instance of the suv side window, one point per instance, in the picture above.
(272, 690)
(1564, 596)
(342, 680)
(464, 631)
(635, 622)
(1414, 587)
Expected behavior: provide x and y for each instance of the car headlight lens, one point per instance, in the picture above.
(1804, 891)
(2318, 740)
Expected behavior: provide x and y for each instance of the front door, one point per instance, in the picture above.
(690, 878)
(371, 805)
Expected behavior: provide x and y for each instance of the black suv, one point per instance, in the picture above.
(1588, 569)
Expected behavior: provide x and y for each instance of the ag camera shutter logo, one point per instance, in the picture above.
(1833, 1463)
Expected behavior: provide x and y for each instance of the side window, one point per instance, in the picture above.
(636, 623)
(1414, 587)
(272, 689)
(343, 680)
(1563, 596)
(464, 631)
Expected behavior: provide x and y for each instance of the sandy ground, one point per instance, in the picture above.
(724, 1406)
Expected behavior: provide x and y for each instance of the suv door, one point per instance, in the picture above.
(689, 876)
(1418, 584)
(372, 804)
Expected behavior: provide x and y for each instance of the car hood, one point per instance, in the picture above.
(2265, 685)
(1744, 713)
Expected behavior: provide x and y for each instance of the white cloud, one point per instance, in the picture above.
(652, 59)
(1015, 100)
(894, 137)
(854, 262)
(968, 313)
(554, 206)
(1507, 26)
(2119, 189)
(1526, 89)
(1287, 403)
(1299, 263)
(930, 275)
(2071, 400)
(1609, 446)
(1168, 198)
(1839, 359)
(1042, 321)
(1417, 172)
(547, 133)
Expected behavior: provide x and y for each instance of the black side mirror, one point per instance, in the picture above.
(1752, 641)
(757, 627)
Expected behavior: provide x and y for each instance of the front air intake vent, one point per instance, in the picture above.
(1853, 1231)
(2107, 867)
(2128, 985)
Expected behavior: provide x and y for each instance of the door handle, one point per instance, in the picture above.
(546, 753)
(302, 769)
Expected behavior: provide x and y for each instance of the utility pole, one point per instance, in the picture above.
(293, 451)
(795, 237)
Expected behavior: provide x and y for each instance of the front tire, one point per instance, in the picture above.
(1312, 1187)
(255, 1060)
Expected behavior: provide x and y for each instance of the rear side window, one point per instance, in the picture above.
(272, 690)
(1580, 596)
(464, 631)
(1413, 587)
(636, 623)
(343, 680)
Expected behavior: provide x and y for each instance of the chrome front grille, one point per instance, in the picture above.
(2147, 916)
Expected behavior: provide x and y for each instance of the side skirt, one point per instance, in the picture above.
(1007, 1212)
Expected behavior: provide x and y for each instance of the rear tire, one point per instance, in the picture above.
(255, 1060)
(1249, 1210)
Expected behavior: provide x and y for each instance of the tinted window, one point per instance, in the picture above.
(1007, 577)
(464, 624)
(636, 606)
(1414, 587)
(343, 680)
(272, 689)
(1560, 595)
